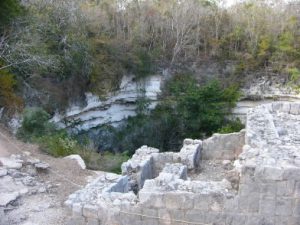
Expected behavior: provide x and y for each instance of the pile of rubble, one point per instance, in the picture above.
(19, 177)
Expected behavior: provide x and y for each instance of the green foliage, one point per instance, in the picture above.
(61, 144)
(8, 98)
(139, 62)
(58, 144)
(35, 124)
(231, 127)
(285, 44)
(294, 73)
(8, 10)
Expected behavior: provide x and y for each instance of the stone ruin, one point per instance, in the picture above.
(254, 179)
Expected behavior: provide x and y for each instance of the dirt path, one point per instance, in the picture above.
(4, 147)
(45, 207)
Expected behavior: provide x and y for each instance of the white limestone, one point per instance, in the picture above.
(10, 163)
(78, 159)
(117, 107)
(6, 198)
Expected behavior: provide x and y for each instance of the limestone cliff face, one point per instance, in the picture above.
(117, 107)
(122, 104)
(261, 91)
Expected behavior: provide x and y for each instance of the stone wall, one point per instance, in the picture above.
(262, 189)
(223, 146)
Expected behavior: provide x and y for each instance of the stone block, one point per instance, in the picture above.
(203, 202)
(132, 216)
(216, 218)
(285, 188)
(269, 173)
(277, 106)
(235, 219)
(190, 154)
(284, 207)
(217, 204)
(178, 200)
(152, 200)
(291, 173)
(295, 109)
(267, 205)
(282, 220)
(297, 208)
(76, 221)
(249, 188)
(195, 215)
(297, 189)
(102, 211)
(90, 211)
(178, 169)
(231, 205)
(223, 146)
(149, 221)
(248, 204)
(286, 107)
(247, 174)
(92, 221)
(165, 217)
(294, 220)
(149, 212)
(77, 209)
(268, 189)
(177, 215)
(259, 220)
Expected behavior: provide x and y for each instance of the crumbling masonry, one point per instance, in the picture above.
(261, 188)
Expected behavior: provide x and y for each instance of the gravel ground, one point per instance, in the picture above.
(213, 170)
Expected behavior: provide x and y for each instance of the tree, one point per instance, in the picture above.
(8, 10)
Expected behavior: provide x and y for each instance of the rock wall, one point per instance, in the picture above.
(117, 107)
(223, 146)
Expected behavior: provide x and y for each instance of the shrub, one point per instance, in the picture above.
(8, 98)
(8, 10)
(231, 127)
(35, 124)
(294, 78)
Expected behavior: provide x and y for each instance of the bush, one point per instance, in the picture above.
(58, 144)
(8, 10)
(231, 127)
(8, 98)
(35, 124)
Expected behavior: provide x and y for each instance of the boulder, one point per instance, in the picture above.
(10, 163)
(78, 159)
(6, 198)
(42, 166)
(3, 172)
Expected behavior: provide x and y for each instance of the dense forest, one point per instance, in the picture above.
(52, 52)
